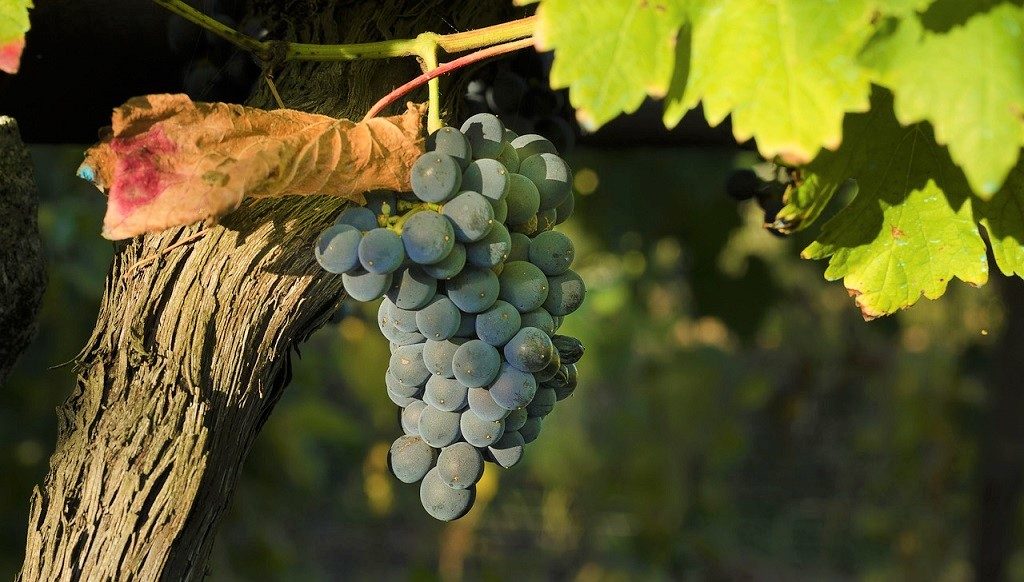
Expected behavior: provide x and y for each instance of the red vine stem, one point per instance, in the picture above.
(401, 91)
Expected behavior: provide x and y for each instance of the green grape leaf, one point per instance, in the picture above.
(611, 55)
(13, 26)
(786, 71)
(910, 229)
(968, 82)
(1003, 218)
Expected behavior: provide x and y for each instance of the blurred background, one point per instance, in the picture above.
(736, 418)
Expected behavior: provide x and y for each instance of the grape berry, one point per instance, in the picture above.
(470, 309)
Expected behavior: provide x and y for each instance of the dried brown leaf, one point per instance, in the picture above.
(169, 161)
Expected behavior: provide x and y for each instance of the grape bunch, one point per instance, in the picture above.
(475, 284)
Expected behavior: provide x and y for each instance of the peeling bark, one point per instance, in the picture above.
(22, 265)
(191, 351)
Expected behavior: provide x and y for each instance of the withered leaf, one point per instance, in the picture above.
(169, 161)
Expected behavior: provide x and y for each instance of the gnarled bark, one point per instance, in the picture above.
(191, 350)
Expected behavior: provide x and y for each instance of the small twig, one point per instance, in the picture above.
(143, 262)
(273, 90)
(448, 67)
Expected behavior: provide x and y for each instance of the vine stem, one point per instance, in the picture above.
(448, 67)
(406, 47)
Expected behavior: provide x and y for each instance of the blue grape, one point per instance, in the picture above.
(447, 394)
(546, 220)
(411, 417)
(552, 252)
(515, 419)
(485, 133)
(478, 431)
(439, 319)
(407, 365)
(412, 288)
(531, 429)
(488, 178)
(529, 228)
(402, 401)
(449, 266)
(449, 140)
(512, 388)
(508, 157)
(476, 363)
(549, 371)
(436, 177)
(358, 217)
(508, 450)
(394, 385)
(564, 210)
(530, 350)
(363, 286)
(381, 251)
(473, 290)
(500, 211)
(482, 403)
(403, 319)
(460, 465)
(540, 319)
(523, 199)
(399, 337)
(542, 404)
(428, 237)
(524, 285)
(498, 324)
(438, 428)
(558, 319)
(337, 248)
(564, 382)
(566, 293)
(437, 356)
(491, 250)
(441, 501)
(520, 247)
(552, 177)
(530, 144)
(410, 458)
(569, 348)
(471, 215)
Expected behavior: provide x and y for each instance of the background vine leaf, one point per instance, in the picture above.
(611, 55)
(14, 23)
(911, 227)
(786, 71)
(967, 81)
(169, 161)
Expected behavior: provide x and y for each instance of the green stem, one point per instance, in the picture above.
(428, 58)
(416, 208)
